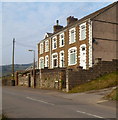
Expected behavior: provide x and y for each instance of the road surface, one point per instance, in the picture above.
(20, 102)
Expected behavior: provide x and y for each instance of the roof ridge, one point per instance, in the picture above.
(105, 9)
(91, 16)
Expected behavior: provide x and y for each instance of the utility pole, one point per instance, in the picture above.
(33, 67)
(34, 71)
(13, 80)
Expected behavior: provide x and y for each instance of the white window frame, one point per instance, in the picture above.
(54, 42)
(46, 61)
(61, 58)
(53, 60)
(46, 45)
(80, 26)
(69, 53)
(41, 48)
(40, 60)
(60, 40)
(70, 37)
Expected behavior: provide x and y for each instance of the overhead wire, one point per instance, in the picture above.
(25, 45)
(5, 46)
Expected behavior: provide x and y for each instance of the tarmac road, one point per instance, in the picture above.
(20, 102)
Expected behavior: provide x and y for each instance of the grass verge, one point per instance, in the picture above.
(106, 81)
(113, 95)
(4, 117)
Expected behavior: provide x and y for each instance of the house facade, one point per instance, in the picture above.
(82, 41)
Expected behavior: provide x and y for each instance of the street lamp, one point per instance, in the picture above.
(33, 66)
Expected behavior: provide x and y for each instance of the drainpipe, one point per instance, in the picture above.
(67, 81)
(50, 54)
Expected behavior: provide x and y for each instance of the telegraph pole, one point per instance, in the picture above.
(33, 67)
(13, 80)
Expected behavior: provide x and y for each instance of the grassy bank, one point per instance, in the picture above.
(3, 117)
(113, 95)
(108, 80)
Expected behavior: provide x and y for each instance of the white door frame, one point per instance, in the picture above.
(83, 56)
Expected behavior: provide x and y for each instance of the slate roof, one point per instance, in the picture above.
(90, 16)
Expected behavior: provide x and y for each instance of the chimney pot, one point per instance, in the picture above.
(57, 27)
(57, 22)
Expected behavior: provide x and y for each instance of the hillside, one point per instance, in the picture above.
(7, 69)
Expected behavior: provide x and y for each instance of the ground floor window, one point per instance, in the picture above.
(46, 61)
(54, 60)
(41, 63)
(62, 59)
(72, 56)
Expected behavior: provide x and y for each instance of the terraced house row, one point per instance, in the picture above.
(82, 41)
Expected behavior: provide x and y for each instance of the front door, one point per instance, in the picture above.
(83, 56)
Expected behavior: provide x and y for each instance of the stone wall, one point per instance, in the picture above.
(46, 78)
(6, 81)
(81, 76)
(23, 80)
(59, 78)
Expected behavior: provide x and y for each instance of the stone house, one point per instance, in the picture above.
(81, 41)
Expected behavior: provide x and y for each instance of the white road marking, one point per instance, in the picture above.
(90, 114)
(102, 101)
(39, 100)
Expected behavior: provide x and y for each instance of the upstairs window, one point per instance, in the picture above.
(72, 35)
(83, 31)
(54, 43)
(72, 53)
(41, 48)
(61, 39)
(46, 45)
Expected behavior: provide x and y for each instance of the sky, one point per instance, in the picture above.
(28, 22)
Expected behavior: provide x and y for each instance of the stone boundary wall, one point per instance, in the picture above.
(6, 82)
(23, 80)
(46, 78)
(51, 78)
(81, 76)
(62, 78)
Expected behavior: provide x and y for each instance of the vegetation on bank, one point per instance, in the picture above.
(3, 117)
(106, 81)
(113, 95)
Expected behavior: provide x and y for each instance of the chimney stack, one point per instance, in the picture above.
(71, 19)
(57, 27)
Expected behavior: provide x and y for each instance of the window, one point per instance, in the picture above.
(62, 59)
(83, 31)
(41, 48)
(61, 38)
(46, 61)
(72, 35)
(72, 55)
(46, 46)
(41, 62)
(54, 43)
(54, 60)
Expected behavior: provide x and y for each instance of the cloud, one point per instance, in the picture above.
(28, 22)
(58, 0)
